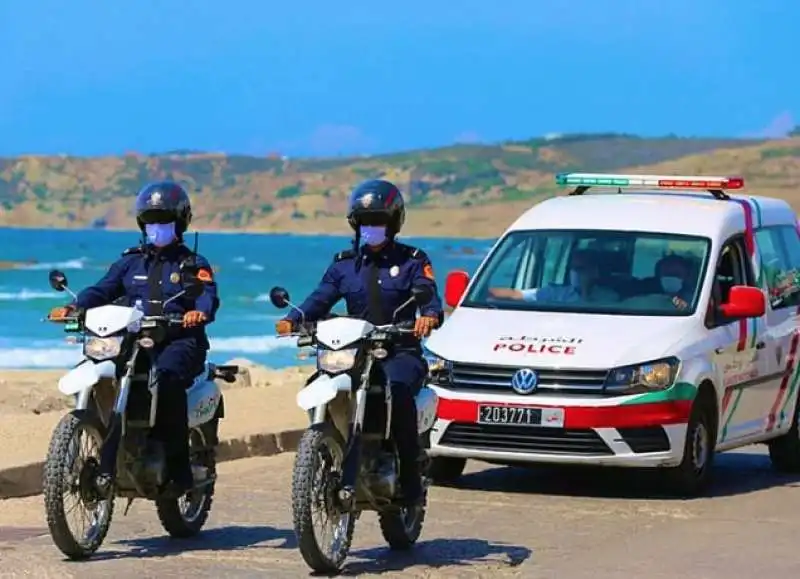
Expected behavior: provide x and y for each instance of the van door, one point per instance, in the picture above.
(779, 248)
(740, 348)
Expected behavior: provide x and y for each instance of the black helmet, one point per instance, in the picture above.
(164, 202)
(377, 202)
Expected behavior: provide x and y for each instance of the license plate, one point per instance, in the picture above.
(521, 416)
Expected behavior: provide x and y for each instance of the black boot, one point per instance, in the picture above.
(406, 439)
(172, 420)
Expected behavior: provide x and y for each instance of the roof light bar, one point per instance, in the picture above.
(648, 181)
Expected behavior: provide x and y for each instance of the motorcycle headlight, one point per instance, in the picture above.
(334, 361)
(102, 348)
(656, 375)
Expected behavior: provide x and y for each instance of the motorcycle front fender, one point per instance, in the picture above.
(84, 376)
(323, 390)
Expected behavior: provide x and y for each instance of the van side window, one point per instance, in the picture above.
(733, 268)
(780, 259)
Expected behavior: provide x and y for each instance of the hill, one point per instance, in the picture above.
(468, 190)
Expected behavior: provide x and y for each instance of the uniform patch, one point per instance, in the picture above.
(427, 271)
(174, 277)
(205, 276)
(394, 270)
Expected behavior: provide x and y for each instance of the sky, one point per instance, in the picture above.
(316, 77)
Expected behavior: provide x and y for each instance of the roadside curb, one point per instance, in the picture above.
(26, 481)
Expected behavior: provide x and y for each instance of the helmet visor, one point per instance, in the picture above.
(154, 216)
(372, 218)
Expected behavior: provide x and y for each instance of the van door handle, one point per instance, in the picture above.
(760, 345)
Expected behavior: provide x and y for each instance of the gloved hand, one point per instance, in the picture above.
(424, 326)
(58, 314)
(283, 327)
(193, 318)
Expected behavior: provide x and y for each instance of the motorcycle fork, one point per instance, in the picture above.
(352, 457)
(116, 421)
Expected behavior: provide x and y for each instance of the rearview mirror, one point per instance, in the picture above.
(279, 297)
(58, 280)
(744, 302)
(454, 287)
(192, 286)
(422, 294)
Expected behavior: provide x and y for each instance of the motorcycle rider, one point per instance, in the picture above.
(151, 273)
(375, 279)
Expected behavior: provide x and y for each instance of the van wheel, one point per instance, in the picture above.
(693, 476)
(784, 451)
(444, 470)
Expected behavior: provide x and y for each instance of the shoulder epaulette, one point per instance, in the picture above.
(133, 250)
(412, 252)
(342, 255)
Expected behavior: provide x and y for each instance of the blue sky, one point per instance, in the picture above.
(311, 77)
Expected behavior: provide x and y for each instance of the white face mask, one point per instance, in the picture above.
(372, 234)
(160, 234)
(671, 284)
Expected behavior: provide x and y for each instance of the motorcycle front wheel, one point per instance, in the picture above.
(70, 469)
(315, 481)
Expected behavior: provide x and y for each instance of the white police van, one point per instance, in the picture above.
(647, 327)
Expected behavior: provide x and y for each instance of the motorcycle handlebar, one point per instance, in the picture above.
(306, 335)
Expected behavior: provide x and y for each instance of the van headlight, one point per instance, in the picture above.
(102, 348)
(334, 361)
(656, 375)
(438, 368)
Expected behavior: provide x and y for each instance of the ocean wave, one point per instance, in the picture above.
(26, 295)
(78, 263)
(39, 357)
(251, 344)
(53, 354)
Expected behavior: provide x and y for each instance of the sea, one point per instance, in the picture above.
(247, 266)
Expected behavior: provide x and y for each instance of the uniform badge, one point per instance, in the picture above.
(366, 200)
(394, 271)
(155, 198)
(427, 271)
(174, 277)
(204, 275)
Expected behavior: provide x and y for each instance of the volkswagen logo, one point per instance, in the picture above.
(524, 381)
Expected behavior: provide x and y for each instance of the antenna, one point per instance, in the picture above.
(195, 242)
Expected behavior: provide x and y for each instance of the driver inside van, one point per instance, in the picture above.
(581, 285)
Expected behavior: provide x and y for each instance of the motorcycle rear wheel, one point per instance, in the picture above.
(184, 517)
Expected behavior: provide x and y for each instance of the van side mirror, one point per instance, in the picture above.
(454, 287)
(744, 302)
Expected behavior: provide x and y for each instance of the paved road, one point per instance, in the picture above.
(500, 522)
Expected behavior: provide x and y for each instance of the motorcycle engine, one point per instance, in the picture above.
(382, 477)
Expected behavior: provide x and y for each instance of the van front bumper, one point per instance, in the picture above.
(641, 435)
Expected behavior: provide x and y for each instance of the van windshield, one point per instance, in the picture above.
(593, 271)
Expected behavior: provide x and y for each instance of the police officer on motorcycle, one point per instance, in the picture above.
(150, 274)
(375, 279)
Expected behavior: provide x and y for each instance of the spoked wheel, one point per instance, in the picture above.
(69, 486)
(402, 529)
(323, 532)
(184, 517)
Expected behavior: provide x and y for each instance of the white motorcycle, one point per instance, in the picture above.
(116, 399)
(346, 460)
